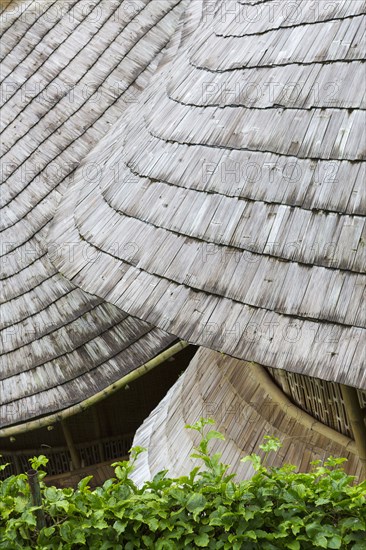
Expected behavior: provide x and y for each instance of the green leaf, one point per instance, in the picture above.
(63, 504)
(51, 494)
(164, 545)
(66, 532)
(83, 484)
(272, 444)
(212, 434)
(320, 540)
(119, 526)
(230, 490)
(20, 504)
(28, 517)
(199, 425)
(335, 542)
(202, 540)
(3, 466)
(254, 459)
(353, 523)
(321, 501)
(136, 451)
(153, 523)
(276, 509)
(312, 530)
(37, 461)
(148, 541)
(196, 503)
(78, 536)
(251, 535)
(300, 490)
(48, 531)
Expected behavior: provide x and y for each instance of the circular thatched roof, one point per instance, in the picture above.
(234, 187)
(69, 71)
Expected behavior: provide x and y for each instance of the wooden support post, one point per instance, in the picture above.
(18, 469)
(357, 420)
(71, 446)
(36, 497)
(98, 432)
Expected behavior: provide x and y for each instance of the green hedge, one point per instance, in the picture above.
(276, 509)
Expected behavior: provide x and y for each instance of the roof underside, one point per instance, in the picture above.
(69, 69)
(239, 194)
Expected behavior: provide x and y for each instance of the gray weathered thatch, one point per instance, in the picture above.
(69, 69)
(245, 410)
(239, 201)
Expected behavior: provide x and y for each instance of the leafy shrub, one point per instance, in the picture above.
(276, 509)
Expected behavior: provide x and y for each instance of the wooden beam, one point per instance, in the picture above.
(278, 396)
(71, 446)
(357, 420)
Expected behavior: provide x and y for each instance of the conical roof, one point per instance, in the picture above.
(238, 203)
(69, 70)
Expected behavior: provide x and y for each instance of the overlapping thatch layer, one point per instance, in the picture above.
(69, 69)
(229, 391)
(240, 190)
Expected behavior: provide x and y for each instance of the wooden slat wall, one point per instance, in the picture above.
(240, 198)
(59, 459)
(68, 71)
(225, 389)
(323, 400)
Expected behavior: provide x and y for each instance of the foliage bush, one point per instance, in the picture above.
(276, 509)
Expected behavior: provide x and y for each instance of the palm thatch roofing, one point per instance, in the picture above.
(69, 69)
(238, 204)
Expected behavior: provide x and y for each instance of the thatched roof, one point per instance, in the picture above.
(239, 200)
(244, 410)
(69, 70)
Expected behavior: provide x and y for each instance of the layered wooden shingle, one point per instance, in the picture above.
(69, 69)
(239, 201)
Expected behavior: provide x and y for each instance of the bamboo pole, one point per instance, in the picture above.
(75, 458)
(305, 419)
(75, 409)
(35, 490)
(356, 417)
